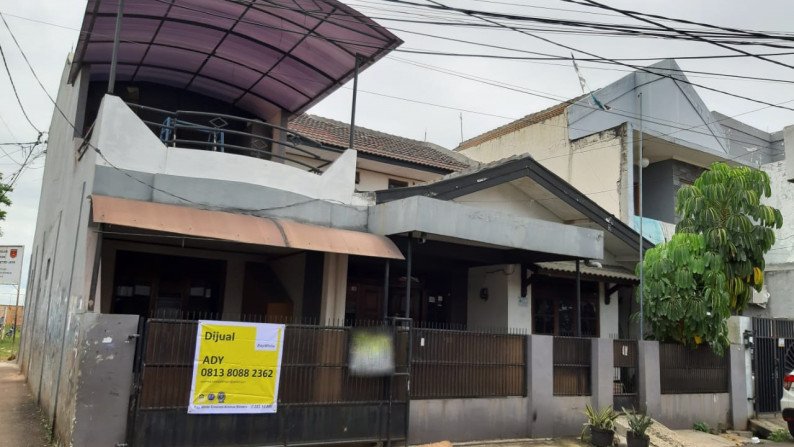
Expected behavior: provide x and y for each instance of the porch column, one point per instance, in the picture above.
(332, 308)
(280, 136)
(327, 381)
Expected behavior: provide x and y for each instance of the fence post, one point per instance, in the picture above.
(739, 410)
(650, 384)
(602, 372)
(540, 387)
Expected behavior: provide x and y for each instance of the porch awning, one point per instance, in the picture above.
(239, 228)
(259, 56)
(614, 273)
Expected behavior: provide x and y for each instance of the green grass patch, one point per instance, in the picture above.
(6, 348)
(781, 435)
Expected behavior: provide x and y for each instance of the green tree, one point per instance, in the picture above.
(5, 189)
(724, 205)
(708, 269)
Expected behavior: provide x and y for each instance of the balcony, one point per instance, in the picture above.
(212, 158)
(224, 133)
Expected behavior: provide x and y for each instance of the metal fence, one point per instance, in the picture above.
(572, 366)
(219, 132)
(773, 345)
(472, 363)
(625, 381)
(316, 388)
(684, 370)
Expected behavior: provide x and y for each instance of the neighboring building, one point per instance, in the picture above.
(11, 315)
(775, 300)
(597, 151)
(384, 161)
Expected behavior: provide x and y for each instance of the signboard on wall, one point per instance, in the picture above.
(11, 264)
(236, 367)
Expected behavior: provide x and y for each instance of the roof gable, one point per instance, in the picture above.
(671, 109)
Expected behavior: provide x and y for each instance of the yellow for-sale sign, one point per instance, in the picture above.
(236, 368)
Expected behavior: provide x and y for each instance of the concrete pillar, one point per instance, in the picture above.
(650, 385)
(739, 408)
(334, 292)
(540, 385)
(233, 293)
(602, 372)
(280, 120)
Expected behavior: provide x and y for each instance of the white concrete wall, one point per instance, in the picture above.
(508, 199)
(592, 164)
(58, 289)
(460, 420)
(608, 315)
(788, 142)
(681, 411)
(128, 143)
(375, 181)
(503, 308)
(568, 414)
(493, 311)
(783, 199)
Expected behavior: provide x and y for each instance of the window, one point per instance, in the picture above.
(554, 307)
(397, 183)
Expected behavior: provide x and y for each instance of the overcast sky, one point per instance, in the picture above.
(423, 96)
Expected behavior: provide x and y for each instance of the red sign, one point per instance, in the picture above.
(13, 253)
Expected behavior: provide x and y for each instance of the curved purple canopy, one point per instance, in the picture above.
(260, 55)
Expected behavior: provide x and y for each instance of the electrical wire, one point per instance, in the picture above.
(638, 68)
(686, 33)
(16, 93)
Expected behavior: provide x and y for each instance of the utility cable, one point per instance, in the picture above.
(567, 47)
(686, 33)
(16, 93)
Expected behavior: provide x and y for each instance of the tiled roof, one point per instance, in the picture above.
(518, 124)
(336, 133)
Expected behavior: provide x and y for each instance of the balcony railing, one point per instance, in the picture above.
(219, 132)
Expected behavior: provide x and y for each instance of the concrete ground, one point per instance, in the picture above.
(21, 422)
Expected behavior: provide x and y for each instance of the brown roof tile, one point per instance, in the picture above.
(336, 133)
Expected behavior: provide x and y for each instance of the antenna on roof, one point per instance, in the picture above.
(461, 127)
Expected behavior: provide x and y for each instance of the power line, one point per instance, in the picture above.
(635, 15)
(478, 14)
(16, 94)
(557, 99)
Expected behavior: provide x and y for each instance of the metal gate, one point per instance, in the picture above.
(773, 338)
(319, 401)
(624, 385)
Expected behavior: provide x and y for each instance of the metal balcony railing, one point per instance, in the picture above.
(233, 134)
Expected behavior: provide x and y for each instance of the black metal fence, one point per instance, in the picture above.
(319, 400)
(625, 382)
(773, 339)
(472, 363)
(572, 366)
(684, 370)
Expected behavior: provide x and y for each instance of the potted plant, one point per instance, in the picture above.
(601, 424)
(636, 435)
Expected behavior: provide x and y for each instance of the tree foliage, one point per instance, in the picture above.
(725, 206)
(684, 291)
(708, 269)
(5, 189)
